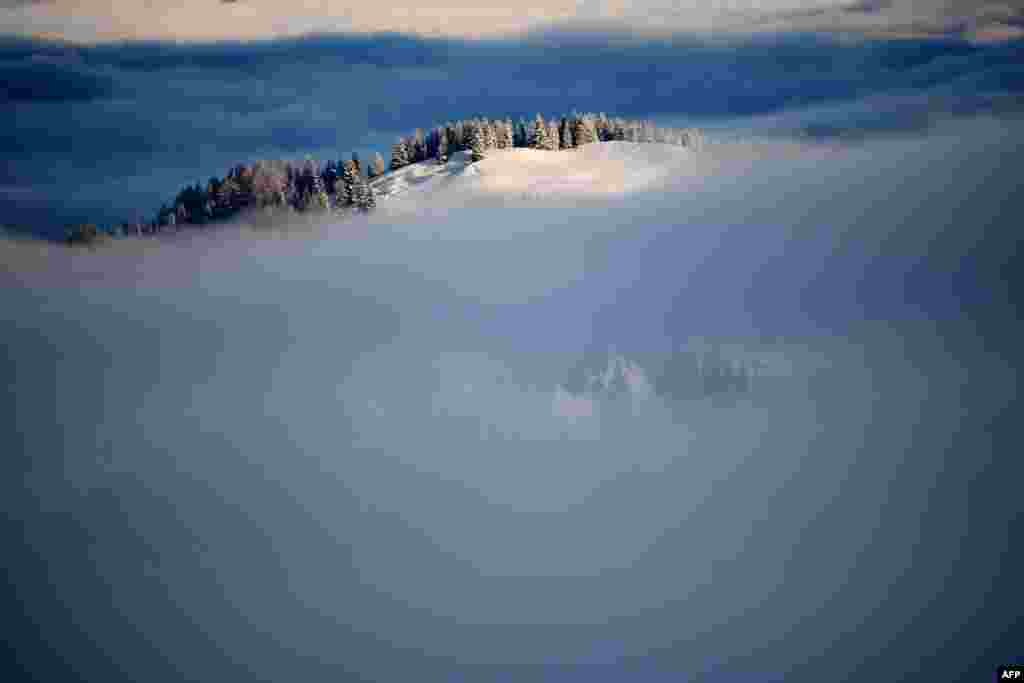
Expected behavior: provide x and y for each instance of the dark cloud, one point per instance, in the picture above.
(39, 81)
(820, 12)
(867, 6)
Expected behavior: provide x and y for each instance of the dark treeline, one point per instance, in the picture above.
(481, 135)
(347, 185)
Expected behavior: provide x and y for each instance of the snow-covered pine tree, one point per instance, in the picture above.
(522, 138)
(459, 136)
(346, 185)
(583, 133)
(602, 128)
(553, 141)
(400, 154)
(363, 198)
(355, 198)
(431, 148)
(480, 126)
(508, 133)
(379, 167)
(499, 135)
(226, 195)
(439, 133)
(618, 130)
(369, 197)
(490, 135)
(475, 135)
(243, 176)
(565, 134)
(441, 155)
(633, 131)
(539, 134)
(330, 177)
(419, 146)
(318, 199)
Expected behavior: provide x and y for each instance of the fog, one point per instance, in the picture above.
(384, 449)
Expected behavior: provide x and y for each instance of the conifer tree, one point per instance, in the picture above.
(508, 134)
(270, 185)
(419, 147)
(378, 165)
(490, 135)
(442, 149)
(475, 136)
(618, 130)
(565, 135)
(369, 197)
(400, 154)
(602, 128)
(330, 177)
(347, 184)
(459, 134)
(522, 138)
(481, 130)
(243, 178)
(318, 199)
(226, 195)
(499, 134)
(553, 139)
(583, 132)
(438, 134)
(362, 195)
(539, 134)
(633, 131)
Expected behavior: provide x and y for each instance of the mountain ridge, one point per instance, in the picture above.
(347, 186)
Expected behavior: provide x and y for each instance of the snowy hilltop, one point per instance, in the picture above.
(543, 156)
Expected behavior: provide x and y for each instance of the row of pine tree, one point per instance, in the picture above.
(345, 185)
(482, 135)
(305, 186)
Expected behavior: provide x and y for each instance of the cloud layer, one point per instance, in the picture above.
(93, 20)
(364, 450)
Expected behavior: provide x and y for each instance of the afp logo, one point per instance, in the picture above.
(1010, 673)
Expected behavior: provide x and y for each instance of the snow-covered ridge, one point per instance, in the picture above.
(595, 169)
(348, 186)
(420, 177)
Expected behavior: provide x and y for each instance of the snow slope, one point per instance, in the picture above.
(607, 168)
